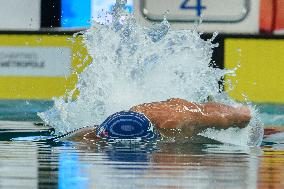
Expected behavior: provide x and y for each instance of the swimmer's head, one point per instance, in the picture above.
(126, 125)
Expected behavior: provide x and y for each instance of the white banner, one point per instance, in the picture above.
(35, 61)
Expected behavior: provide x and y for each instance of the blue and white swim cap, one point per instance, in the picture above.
(126, 125)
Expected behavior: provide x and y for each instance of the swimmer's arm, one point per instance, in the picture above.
(180, 118)
(222, 116)
(215, 115)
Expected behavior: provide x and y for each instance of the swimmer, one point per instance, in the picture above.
(175, 117)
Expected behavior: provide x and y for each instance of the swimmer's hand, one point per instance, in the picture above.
(180, 118)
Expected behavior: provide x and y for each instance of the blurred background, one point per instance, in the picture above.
(39, 60)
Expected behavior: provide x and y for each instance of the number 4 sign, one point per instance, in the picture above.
(198, 7)
(233, 16)
(191, 10)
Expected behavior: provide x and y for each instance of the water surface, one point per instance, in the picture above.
(28, 164)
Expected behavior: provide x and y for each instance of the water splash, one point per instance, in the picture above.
(133, 65)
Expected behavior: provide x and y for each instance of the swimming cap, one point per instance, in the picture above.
(126, 125)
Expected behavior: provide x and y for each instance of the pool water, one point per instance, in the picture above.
(25, 163)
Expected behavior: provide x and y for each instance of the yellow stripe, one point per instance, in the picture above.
(42, 87)
(31, 87)
(260, 76)
(34, 40)
(275, 153)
